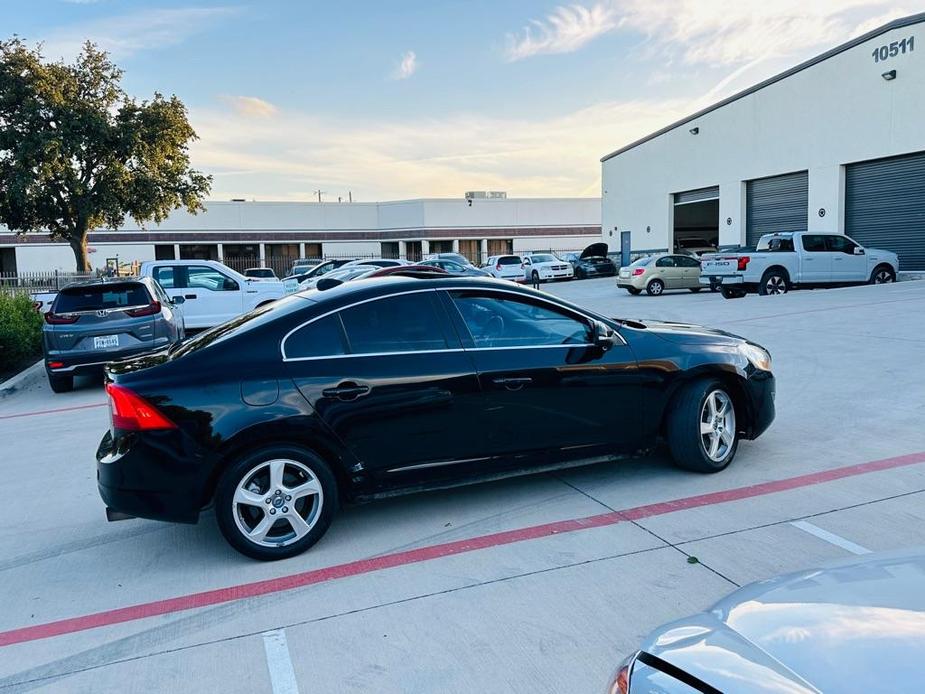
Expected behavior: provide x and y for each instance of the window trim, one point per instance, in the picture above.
(499, 290)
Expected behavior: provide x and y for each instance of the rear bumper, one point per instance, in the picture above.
(85, 362)
(708, 280)
(150, 476)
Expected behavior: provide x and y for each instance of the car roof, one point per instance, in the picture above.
(392, 284)
(99, 281)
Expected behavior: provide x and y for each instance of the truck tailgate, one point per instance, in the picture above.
(720, 265)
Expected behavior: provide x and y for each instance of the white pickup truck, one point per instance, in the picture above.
(789, 260)
(213, 293)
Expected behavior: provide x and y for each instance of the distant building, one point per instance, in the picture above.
(833, 144)
(276, 233)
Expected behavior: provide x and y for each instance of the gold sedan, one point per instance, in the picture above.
(656, 273)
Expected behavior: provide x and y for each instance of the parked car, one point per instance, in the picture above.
(694, 246)
(95, 322)
(376, 386)
(302, 266)
(785, 261)
(455, 257)
(342, 274)
(214, 293)
(455, 268)
(505, 267)
(260, 273)
(591, 262)
(656, 273)
(379, 262)
(318, 270)
(856, 625)
(545, 267)
(407, 270)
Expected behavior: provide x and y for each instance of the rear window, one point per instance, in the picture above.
(642, 262)
(100, 297)
(509, 260)
(775, 243)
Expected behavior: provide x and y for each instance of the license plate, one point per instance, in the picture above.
(105, 341)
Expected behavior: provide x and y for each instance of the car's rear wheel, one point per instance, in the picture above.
(275, 503)
(60, 383)
(633, 290)
(773, 282)
(882, 274)
(702, 432)
(655, 288)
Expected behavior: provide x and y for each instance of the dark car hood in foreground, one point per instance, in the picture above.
(687, 333)
(856, 626)
(595, 250)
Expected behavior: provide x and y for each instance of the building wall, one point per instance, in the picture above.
(836, 112)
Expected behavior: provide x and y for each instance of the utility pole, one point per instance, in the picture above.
(350, 196)
(319, 193)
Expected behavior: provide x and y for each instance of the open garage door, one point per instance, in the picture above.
(885, 206)
(696, 220)
(779, 203)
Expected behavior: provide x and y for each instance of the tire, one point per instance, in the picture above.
(61, 384)
(633, 291)
(252, 477)
(694, 290)
(773, 282)
(882, 274)
(732, 292)
(714, 287)
(655, 287)
(580, 274)
(535, 277)
(691, 447)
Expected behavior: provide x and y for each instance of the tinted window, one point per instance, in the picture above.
(776, 244)
(687, 261)
(407, 323)
(667, 261)
(200, 277)
(322, 338)
(814, 243)
(840, 244)
(509, 260)
(497, 321)
(165, 277)
(100, 297)
(642, 262)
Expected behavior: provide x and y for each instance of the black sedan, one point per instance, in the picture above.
(591, 262)
(407, 383)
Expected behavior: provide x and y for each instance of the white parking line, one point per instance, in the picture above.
(831, 538)
(282, 676)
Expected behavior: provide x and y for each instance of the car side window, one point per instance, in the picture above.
(687, 261)
(667, 261)
(497, 321)
(406, 323)
(320, 338)
(840, 244)
(202, 277)
(814, 243)
(165, 277)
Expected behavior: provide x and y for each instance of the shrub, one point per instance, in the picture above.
(20, 329)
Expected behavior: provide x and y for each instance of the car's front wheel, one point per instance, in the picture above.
(702, 433)
(275, 503)
(882, 274)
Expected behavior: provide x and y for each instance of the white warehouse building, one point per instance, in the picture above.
(242, 233)
(834, 144)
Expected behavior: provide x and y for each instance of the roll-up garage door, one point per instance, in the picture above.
(696, 195)
(885, 206)
(779, 203)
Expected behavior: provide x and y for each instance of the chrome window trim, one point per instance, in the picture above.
(500, 290)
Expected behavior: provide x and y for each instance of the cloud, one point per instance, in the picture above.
(407, 67)
(252, 106)
(564, 30)
(128, 34)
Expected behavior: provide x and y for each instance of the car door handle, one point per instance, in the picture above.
(839, 259)
(346, 391)
(189, 296)
(513, 383)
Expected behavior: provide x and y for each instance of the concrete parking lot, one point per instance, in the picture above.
(533, 584)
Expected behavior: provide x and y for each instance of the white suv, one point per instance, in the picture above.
(505, 267)
(540, 267)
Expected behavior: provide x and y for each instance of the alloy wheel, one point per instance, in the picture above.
(883, 277)
(776, 284)
(277, 502)
(717, 425)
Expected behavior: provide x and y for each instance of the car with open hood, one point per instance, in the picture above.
(591, 262)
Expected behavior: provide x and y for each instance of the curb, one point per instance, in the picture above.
(24, 378)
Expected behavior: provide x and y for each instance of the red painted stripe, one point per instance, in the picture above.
(60, 409)
(364, 566)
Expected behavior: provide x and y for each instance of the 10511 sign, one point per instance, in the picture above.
(894, 49)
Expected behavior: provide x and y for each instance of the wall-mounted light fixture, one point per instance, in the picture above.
(696, 131)
(889, 76)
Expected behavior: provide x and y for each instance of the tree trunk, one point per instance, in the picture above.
(78, 244)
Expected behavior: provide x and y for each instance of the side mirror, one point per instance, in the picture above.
(858, 250)
(177, 300)
(604, 335)
(327, 283)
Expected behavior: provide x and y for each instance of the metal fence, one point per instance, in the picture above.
(29, 282)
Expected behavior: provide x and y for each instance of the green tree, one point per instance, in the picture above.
(77, 153)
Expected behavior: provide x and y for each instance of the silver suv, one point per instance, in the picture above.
(92, 323)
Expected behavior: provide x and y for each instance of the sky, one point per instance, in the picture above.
(406, 98)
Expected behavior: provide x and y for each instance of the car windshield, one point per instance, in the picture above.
(642, 262)
(543, 258)
(100, 297)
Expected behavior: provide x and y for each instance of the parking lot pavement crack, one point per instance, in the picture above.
(101, 656)
(692, 559)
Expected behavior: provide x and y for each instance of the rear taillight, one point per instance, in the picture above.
(743, 262)
(149, 310)
(639, 271)
(55, 364)
(131, 412)
(58, 319)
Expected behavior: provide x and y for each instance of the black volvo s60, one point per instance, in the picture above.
(406, 383)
